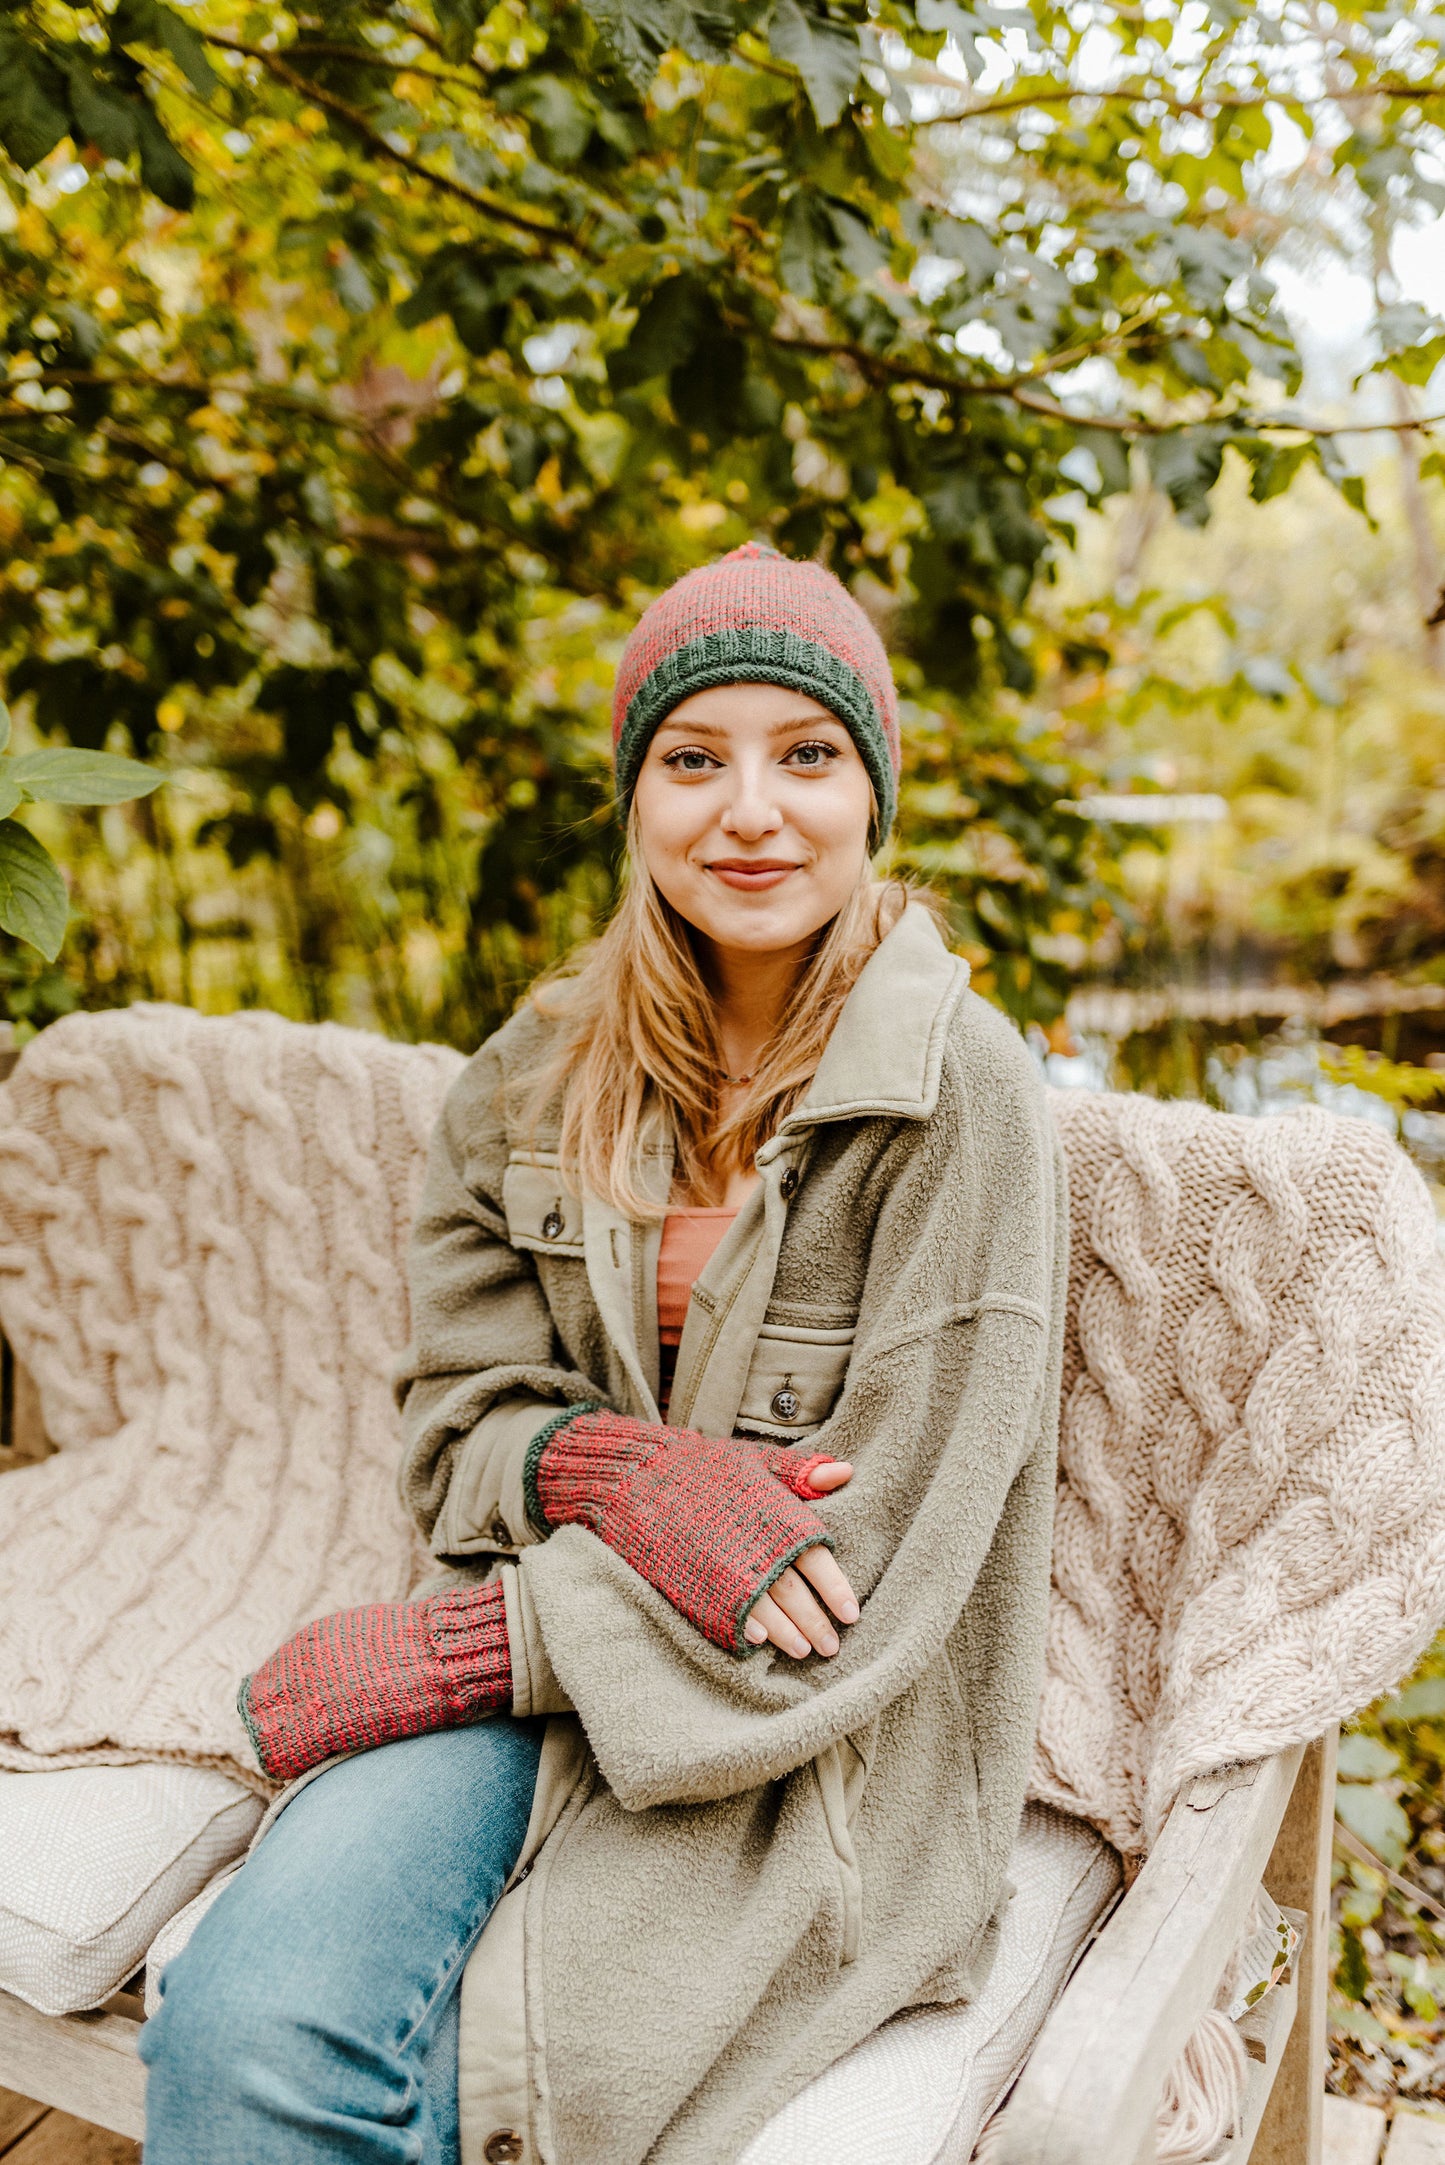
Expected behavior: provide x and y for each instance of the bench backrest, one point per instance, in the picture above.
(1250, 1538)
(202, 1235)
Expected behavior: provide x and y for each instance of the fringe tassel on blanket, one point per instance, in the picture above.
(1204, 2095)
(1200, 2107)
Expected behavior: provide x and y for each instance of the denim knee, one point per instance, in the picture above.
(214, 2034)
(229, 2053)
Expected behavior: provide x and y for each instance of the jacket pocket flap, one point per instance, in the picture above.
(541, 1215)
(794, 1381)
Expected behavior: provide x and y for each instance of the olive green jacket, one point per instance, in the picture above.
(736, 1869)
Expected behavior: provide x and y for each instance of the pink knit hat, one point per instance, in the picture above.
(755, 617)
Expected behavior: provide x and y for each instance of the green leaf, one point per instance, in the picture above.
(104, 115)
(1273, 467)
(458, 21)
(806, 245)
(33, 902)
(1366, 1759)
(1423, 1701)
(826, 54)
(146, 22)
(1111, 456)
(162, 168)
(11, 795)
(1368, 1812)
(707, 391)
(639, 32)
(64, 776)
(4, 725)
(33, 118)
(1352, 488)
(666, 332)
(1186, 465)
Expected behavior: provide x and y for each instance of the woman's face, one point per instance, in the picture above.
(753, 809)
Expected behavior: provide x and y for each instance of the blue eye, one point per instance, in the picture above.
(813, 755)
(688, 759)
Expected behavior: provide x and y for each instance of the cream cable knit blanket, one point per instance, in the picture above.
(202, 1234)
(1250, 1534)
(203, 1229)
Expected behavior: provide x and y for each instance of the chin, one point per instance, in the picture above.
(762, 931)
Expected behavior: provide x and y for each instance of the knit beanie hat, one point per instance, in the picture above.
(755, 617)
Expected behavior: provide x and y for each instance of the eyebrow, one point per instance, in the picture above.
(776, 729)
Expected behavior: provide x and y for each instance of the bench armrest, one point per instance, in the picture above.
(1091, 2089)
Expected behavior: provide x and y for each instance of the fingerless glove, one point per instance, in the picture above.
(373, 1675)
(711, 1524)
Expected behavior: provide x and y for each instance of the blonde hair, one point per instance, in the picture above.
(640, 1028)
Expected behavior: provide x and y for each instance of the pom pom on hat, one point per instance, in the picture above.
(755, 617)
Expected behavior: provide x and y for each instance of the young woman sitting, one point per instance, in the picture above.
(737, 1300)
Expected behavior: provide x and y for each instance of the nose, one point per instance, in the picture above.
(752, 810)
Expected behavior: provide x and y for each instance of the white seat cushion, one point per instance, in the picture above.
(93, 1860)
(918, 2091)
(173, 1936)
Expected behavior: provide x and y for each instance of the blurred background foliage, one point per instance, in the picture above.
(368, 364)
(365, 366)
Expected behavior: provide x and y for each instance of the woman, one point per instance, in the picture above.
(737, 1297)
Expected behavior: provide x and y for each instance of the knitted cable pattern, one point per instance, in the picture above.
(710, 1524)
(372, 1675)
(1250, 1531)
(203, 1226)
(202, 1231)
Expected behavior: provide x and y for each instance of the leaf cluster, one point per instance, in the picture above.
(481, 312)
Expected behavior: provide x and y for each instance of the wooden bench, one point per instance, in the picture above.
(1090, 2091)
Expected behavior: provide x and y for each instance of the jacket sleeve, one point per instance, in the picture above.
(949, 1416)
(484, 1370)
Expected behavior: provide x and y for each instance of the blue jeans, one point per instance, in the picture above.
(313, 2014)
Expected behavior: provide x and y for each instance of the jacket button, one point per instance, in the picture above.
(500, 1532)
(788, 1185)
(552, 1226)
(785, 1406)
(503, 2145)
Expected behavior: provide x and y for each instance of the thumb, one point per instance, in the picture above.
(796, 1471)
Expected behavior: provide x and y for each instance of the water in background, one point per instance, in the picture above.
(1260, 1072)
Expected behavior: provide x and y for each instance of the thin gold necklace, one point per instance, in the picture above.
(737, 1080)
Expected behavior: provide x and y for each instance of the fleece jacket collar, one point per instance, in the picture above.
(886, 1052)
(884, 1057)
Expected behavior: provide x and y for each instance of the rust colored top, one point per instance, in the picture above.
(689, 1239)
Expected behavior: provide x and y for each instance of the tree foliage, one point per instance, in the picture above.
(363, 359)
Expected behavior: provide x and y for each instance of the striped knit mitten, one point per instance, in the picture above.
(710, 1524)
(370, 1676)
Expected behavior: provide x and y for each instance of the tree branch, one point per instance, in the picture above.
(1199, 107)
(480, 199)
(362, 56)
(895, 371)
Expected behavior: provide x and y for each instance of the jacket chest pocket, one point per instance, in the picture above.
(541, 1215)
(794, 1382)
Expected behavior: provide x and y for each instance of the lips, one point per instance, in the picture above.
(750, 875)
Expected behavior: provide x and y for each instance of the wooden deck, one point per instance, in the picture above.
(34, 2135)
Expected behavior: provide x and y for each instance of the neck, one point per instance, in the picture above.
(752, 992)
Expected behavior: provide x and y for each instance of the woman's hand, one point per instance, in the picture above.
(788, 1614)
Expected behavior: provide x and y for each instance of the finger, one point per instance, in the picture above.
(783, 1633)
(794, 1597)
(820, 1567)
(836, 1474)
